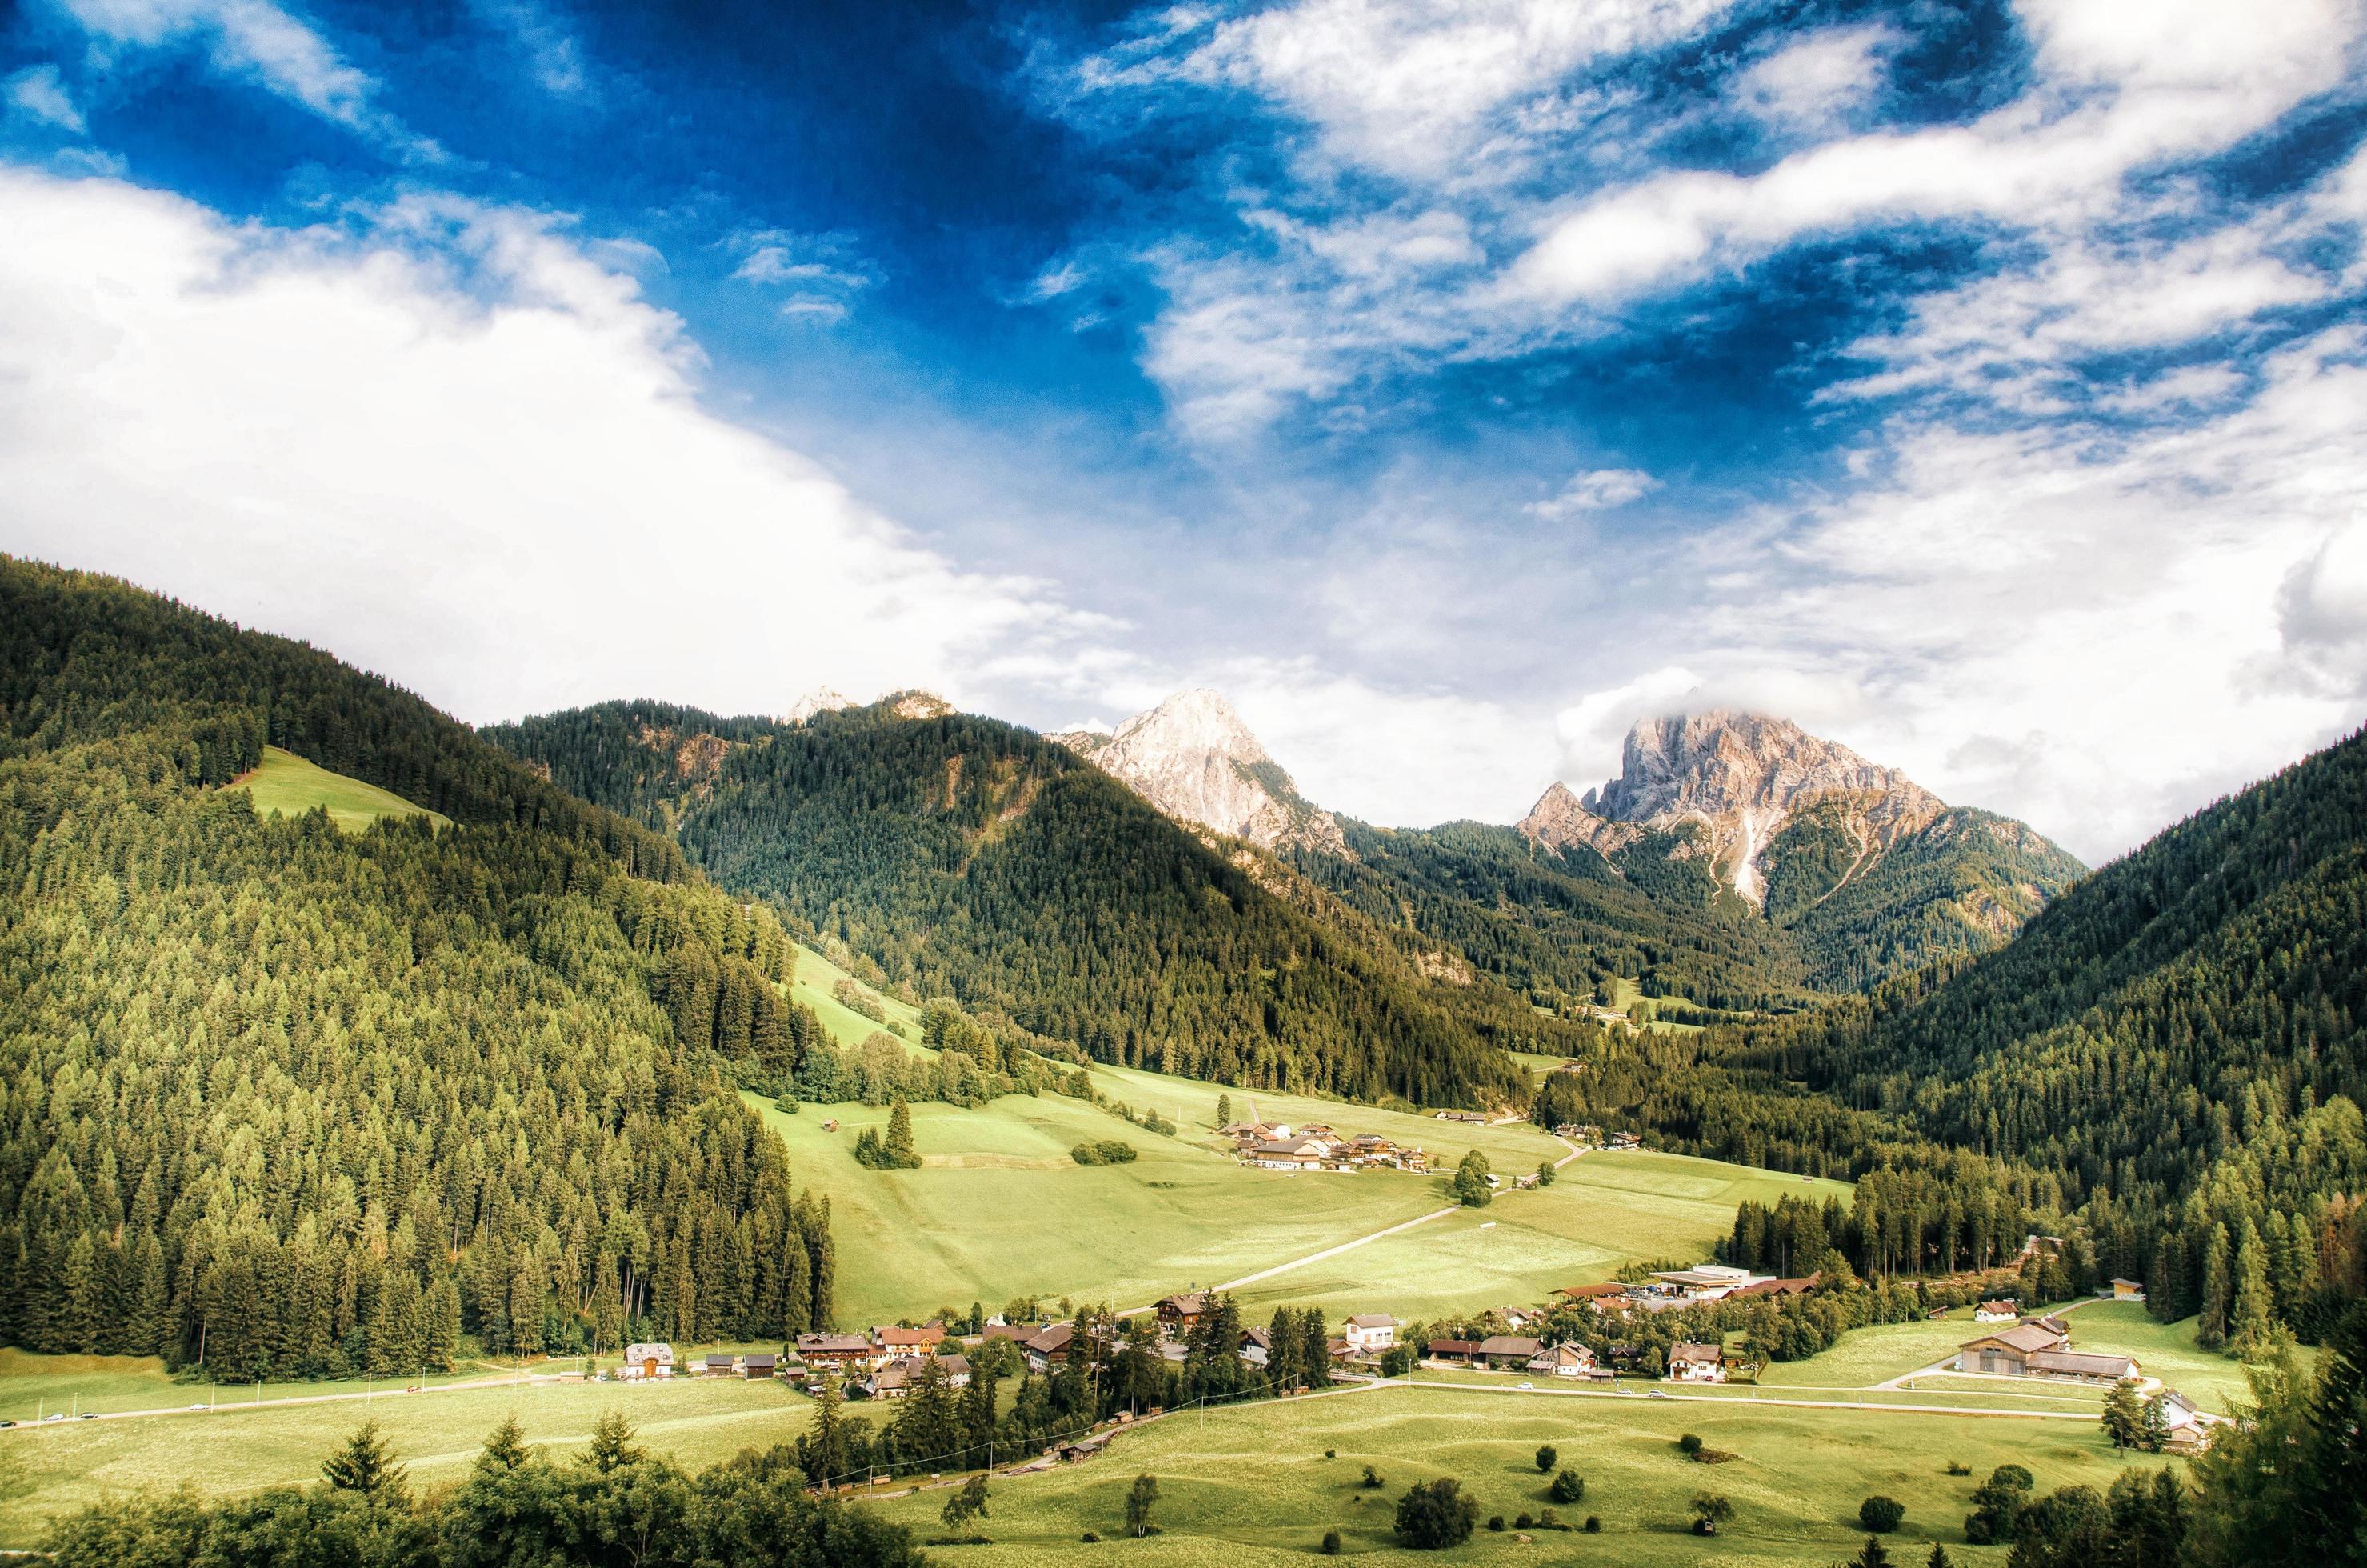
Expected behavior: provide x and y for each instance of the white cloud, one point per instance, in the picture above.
(1595, 491)
(552, 52)
(2118, 89)
(1411, 86)
(1809, 84)
(256, 40)
(457, 450)
(39, 93)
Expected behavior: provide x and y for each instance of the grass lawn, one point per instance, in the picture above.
(818, 978)
(1874, 1354)
(1250, 1486)
(287, 785)
(63, 1466)
(2166, 1350)
(31, 1385)
(999, 1209)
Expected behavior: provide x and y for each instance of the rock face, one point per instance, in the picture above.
(820, 699)
(1738, 779)
(1193, 758)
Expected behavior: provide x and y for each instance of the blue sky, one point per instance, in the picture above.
(1450, 383)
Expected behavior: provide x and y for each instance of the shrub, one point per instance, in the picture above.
(1593, 1525)
(1999, 1503)
(1089, 1535)
(1330, 1453)
(1550, 1519)
(1689, 1445)
(1373, 1477)
(1710, 1510)
(1108, 1151)
(1495, 1521)
(1956, 1467)
(1880, 1515)
(1331, 1547)
(1567, 1487)
(1436, 1514)
(1546, 1457)
(1522, 1521)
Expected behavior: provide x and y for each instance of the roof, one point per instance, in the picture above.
(1454, 1347)
(1590, 1292)
(649, 1352)
(1047, 1340)
(892, 1336)
(2054, 1323)
(1372, 1320)
(2006, 1305)
(1568, 1352)
(720, 1358)
(833, 1344)
(2083, 1365)
(1263, 1338)
(2027, 1338)
(1187, 1301)
(1782, 1287)
(955, 1365)
(2132, 1284)
(1694, 1350)
(1509, 1344)
(1300, 1148)
(1708, 1274)
(762, 1359)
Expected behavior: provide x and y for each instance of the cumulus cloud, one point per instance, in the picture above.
(460, 401)
(1808, 85)
(38, 93)
(1595, 490)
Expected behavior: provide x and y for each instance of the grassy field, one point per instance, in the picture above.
(32, 1386)
(66, 1465)
(999, 1209)
(1250, 1486)
(287, 785)
(818, 978)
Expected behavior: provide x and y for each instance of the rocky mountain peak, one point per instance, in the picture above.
(1193, 759)
(1741, 777)
(820, 699)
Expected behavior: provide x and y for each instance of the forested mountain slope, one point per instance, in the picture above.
(976, 859)
(2180, 1036)
(300, 1102)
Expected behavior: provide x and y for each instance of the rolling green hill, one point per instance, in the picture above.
(971, 858)
(297, 1101)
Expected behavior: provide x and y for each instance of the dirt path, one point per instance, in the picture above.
(1315, 1256)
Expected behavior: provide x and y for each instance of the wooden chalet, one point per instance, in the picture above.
(1182, 1310)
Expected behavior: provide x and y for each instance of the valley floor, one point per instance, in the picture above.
(999, 1209)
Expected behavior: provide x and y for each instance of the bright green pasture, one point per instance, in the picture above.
(1250, 1486)
(1867, 1356)
(32, 1386)
(999, 1209)
(2166, 1350)
(68, 1464)
(818, 977)
(287, 785)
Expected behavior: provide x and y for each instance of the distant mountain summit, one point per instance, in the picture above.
(1741, 777)
(820, 699)
(1871, 871)
(1193, 758)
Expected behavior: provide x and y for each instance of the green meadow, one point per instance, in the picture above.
(1252, 1485)
(61, 1466)
(999, 1209)
(818, 981)
(287, 785)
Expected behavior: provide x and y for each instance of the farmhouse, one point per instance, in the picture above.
(1369, 1332)
(1509, 1350)
(759, 1364)
(2087, 1368)
(649, 1361)
(1564, 1361)
(1047, 1347)
(835, 1350)
(1689, 1361)
(2006, 1311)
(1452, 1349)
(1182, 1310)
(1288, 1154)
(895, 1341)
(1514, 1318)
(1624, 1140)
(1257, 1345)
(1703, 1282)
(2008, 1350)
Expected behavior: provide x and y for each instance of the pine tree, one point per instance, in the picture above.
(898, 1152)
(2253, 1318)
(611, 1448)
(2211, 1327)
(2123, 1422)
(364, 1465)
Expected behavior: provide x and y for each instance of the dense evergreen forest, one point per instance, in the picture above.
(2171, 1056)
(974, 860)
(296, 1103)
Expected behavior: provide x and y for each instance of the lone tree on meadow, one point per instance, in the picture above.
(1436, 1514)
(1471, 1188)
(1880, 1515)
(1710, 1510)
(2123, 1420)
(363, 1465)
(1139, 1499)
(1546, 1457)
(1567, 1487)
(967, 1504)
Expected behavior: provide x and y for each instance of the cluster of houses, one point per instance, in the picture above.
(644, 1362)
(1684, 1288)
(1277, 1146)
(2041, 1347)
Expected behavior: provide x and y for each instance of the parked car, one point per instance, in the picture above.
(1528, 1385)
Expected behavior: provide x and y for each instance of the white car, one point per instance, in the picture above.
(1528, 1385)
(1659, 1394)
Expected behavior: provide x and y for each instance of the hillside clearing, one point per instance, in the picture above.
(287, 785)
